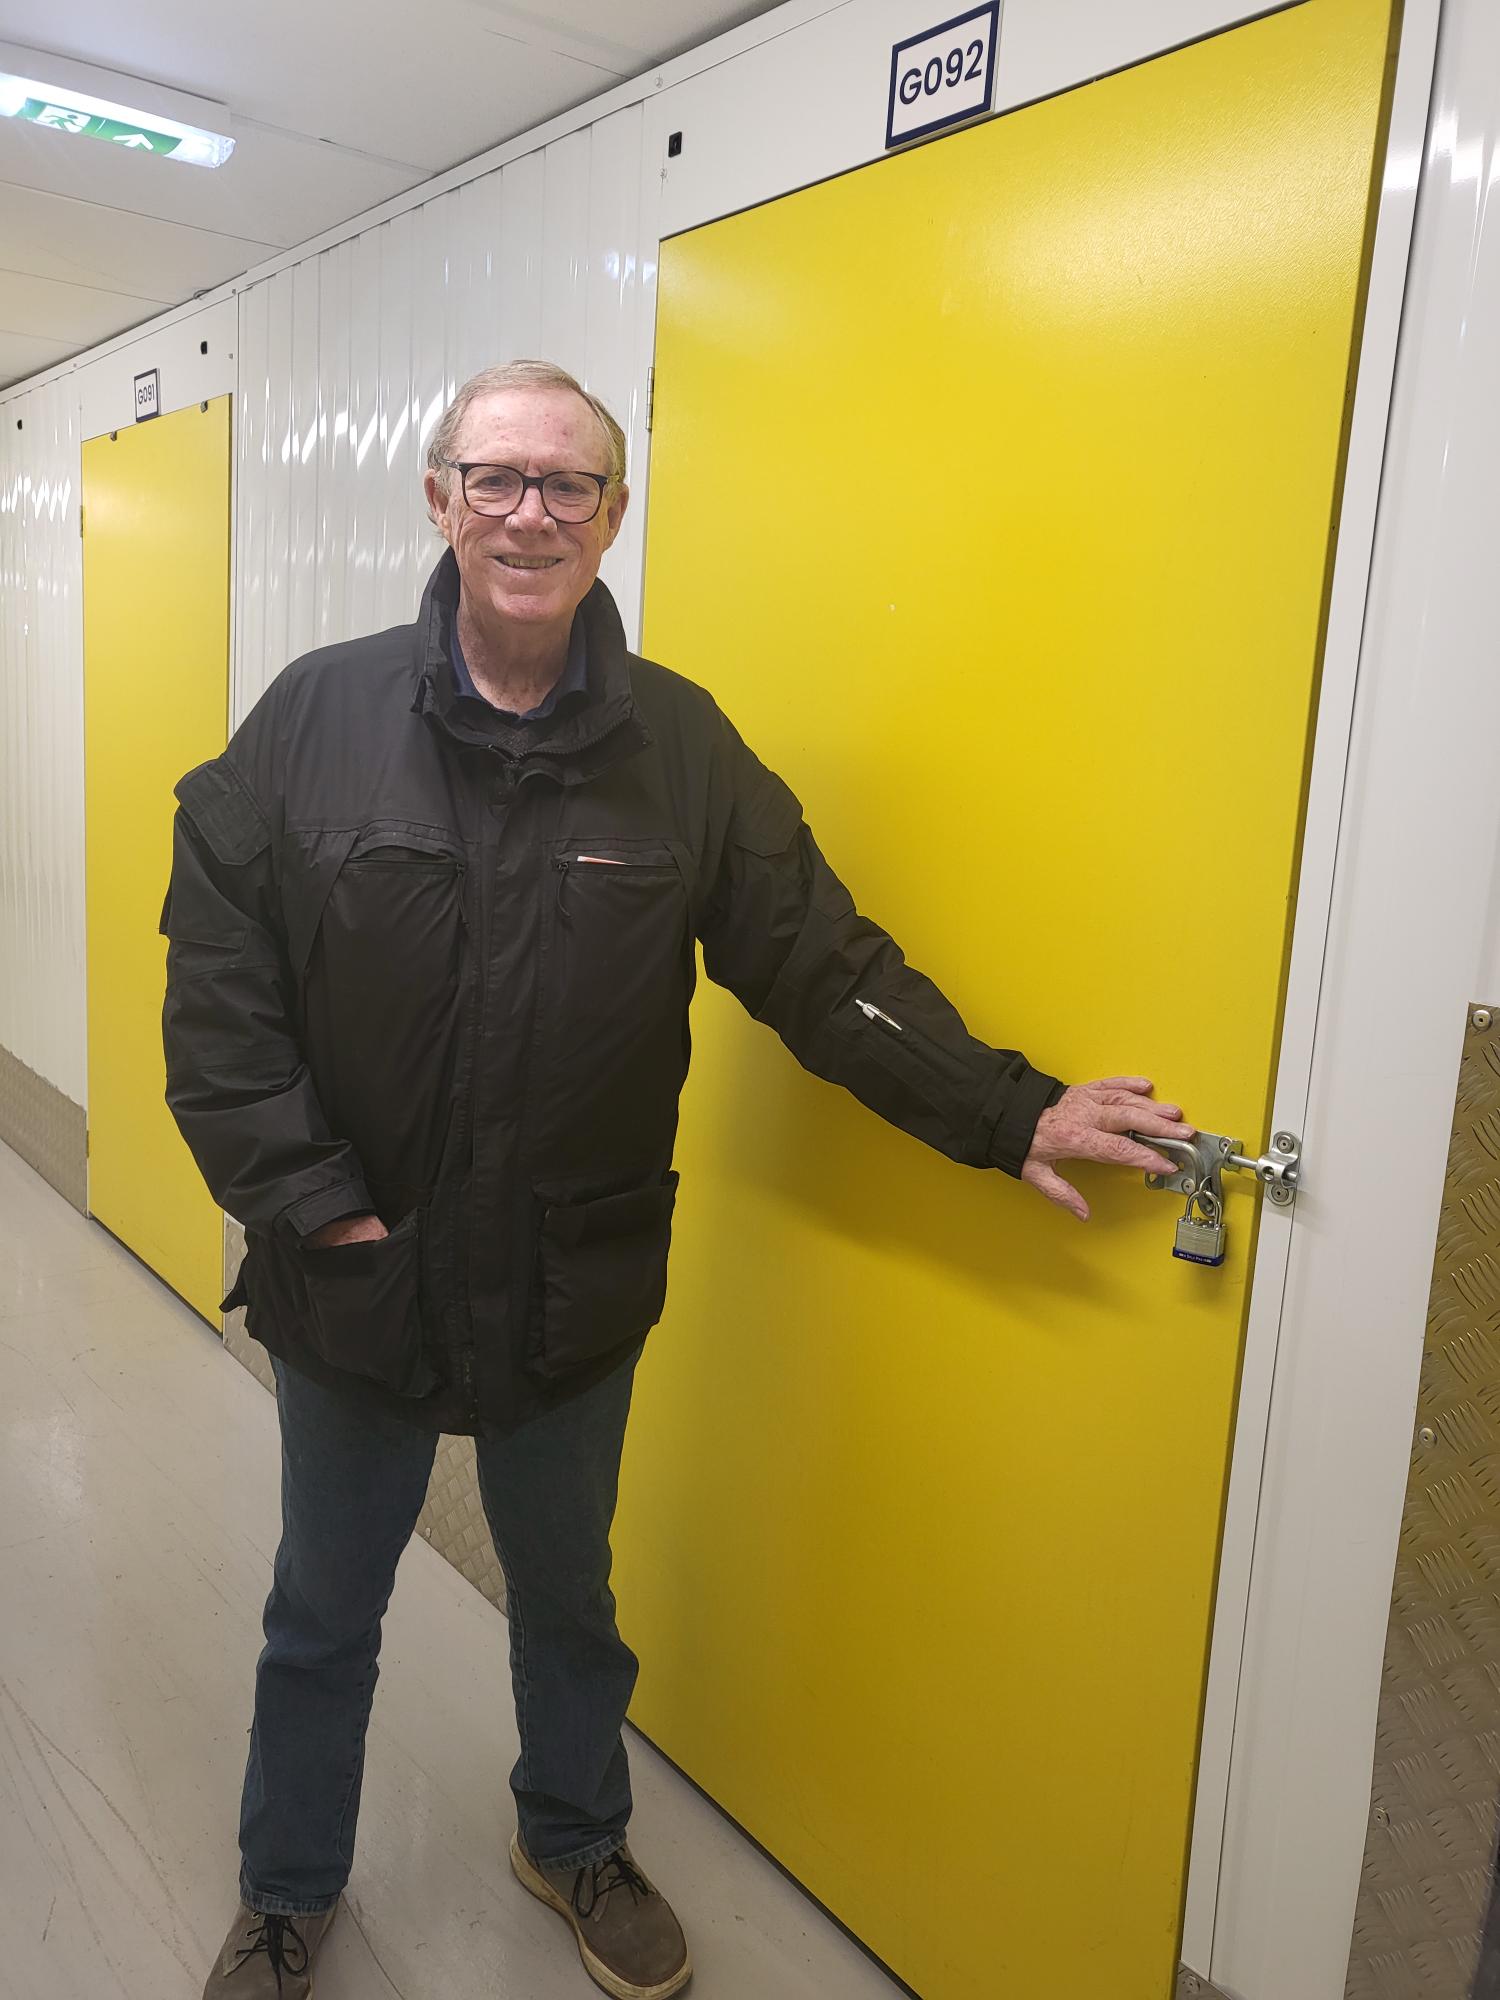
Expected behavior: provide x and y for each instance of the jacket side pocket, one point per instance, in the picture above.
(601, 1275)
(364, 1307)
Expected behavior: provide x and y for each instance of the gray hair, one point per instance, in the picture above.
(519, 375)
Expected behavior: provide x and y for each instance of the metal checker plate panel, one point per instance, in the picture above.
(1426, 1895)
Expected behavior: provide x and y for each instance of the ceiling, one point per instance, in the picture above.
(334, 108)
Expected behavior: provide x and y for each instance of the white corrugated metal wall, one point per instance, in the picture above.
(346, 360)
(41, 737)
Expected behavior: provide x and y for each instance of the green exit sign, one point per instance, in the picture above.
(65, 118)
(58, 107)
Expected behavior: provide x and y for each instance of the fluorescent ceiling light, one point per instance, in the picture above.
(56, 98)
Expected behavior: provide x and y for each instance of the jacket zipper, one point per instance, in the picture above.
(562, 862)
(559, 752)
(873, 1013)
(920, 1048)
(614, 861)
(464, 1122)
(533, 1042)
(564, 868)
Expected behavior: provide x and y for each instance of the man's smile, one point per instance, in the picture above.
(529, 562)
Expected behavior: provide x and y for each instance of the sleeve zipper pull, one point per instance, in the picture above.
(560, 863)
(873, 1013)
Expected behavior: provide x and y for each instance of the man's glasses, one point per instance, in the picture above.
(501, 489)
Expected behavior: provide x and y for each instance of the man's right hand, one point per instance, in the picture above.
(347, 1229)
(1093, 1121)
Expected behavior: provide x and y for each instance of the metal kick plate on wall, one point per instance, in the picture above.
(1193, 1986)
(46, 1128)
(1427, 1898)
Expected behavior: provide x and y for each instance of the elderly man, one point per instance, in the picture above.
(432, 925)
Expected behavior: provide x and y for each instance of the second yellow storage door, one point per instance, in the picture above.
(156, 702)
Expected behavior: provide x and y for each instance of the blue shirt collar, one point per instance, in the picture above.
(574, 679)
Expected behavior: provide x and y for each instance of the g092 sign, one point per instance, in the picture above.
(943, 76)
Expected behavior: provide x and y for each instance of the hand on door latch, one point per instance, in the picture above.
(1205, 1160)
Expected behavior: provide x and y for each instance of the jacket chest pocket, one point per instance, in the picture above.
(382, 1000)
(613, 888)
(616, 933)
(401, 887)
(616, 976)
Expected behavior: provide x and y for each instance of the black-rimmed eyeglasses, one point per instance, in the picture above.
(501, 489)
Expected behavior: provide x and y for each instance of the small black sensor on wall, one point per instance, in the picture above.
(674, 145)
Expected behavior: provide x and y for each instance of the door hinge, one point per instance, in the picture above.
(80, 519)
(650, 396)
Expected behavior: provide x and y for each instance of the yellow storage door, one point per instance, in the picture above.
(156, 702)
(992, 493)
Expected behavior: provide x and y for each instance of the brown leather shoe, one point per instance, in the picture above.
(268, 1958)
(629, 1940)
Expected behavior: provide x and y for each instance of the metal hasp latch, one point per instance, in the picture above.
(1205, 1160)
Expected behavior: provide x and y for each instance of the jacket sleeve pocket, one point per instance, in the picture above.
(364, 1308)
(601, 1275)
(225, 811)
(205, 931)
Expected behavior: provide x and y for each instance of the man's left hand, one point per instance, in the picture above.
(1090, 1122)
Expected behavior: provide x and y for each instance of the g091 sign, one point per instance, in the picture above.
(943, 76)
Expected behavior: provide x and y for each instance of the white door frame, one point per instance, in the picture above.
(1414, 942)
(1268, 1326)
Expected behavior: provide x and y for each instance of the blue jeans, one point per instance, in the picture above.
(352, 1486)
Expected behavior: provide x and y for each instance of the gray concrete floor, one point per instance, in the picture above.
(138, 1520)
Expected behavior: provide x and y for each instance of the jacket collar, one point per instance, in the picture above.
(597, 733)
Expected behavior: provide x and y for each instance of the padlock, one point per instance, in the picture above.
(1199, 1242)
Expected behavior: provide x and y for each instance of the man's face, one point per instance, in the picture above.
(525, 567)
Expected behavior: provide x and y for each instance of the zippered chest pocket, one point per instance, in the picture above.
(612, 1004)
(624, 877)
(396, 906)
(619, 913)
(383, 1000)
